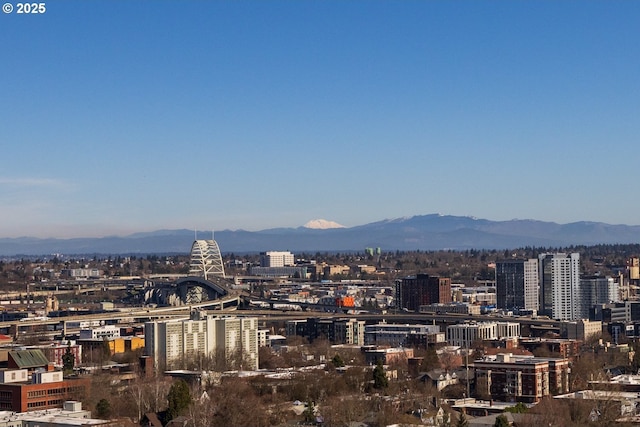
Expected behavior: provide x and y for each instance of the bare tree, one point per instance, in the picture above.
(232, 398)
(450, 361)
(149, 394)
(342, 410)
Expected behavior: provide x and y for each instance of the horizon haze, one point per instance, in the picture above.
(420, 232)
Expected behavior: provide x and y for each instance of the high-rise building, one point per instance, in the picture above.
(422, 289)
(171, 343)
(517, 284)
(597, 290)
(276, 259)
(238, 336)
(560, 285)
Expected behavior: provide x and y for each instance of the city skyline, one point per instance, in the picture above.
(124, 117)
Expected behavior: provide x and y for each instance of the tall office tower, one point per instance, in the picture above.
(422, 289)
(597, 290)
(276, 259)
(517, 284)
(560, 285)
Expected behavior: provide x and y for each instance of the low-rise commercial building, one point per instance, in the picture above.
(456, 308)
(465, 334)
(101, 332)
(70, 415)
(582, 329)
(337, 331)
(31, 383)
(386, 356)
(403, 335)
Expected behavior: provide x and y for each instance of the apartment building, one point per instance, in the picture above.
(403, 335)
(560, 296)
(172, 342)
(337, 331)
(525, 379)
(581, 329)
(349, 331)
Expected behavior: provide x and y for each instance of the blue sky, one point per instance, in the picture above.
(126, 116)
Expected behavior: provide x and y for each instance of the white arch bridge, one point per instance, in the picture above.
(188, 290)
(206, 280)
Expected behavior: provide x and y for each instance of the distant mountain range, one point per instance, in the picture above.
(424, 232)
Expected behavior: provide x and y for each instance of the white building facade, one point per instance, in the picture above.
(172, 342)
(598, 290)
(464, 334)
(277, 259)
(560, 296)
(101, 332)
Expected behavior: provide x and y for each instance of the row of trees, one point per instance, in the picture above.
(345, 390)
(464, 266)
(341, 392)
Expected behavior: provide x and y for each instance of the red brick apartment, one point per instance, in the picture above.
(527, 379)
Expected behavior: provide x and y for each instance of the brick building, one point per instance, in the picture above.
(554, 346)
(526, 379)
(422, 289)
(374, 355)
(25, 389)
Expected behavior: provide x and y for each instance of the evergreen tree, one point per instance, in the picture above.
(380, 379)
(501, 421)
(179, 399)
(446, 420)
(462, 420)
(309, 413)
(337, 361)
(68, 360)
(519, 408)
(635, 363)
(103, 409)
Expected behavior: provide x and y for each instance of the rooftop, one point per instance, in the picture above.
(58, 416)
(29, 358)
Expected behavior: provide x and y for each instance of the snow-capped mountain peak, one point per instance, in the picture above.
(322, 224)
